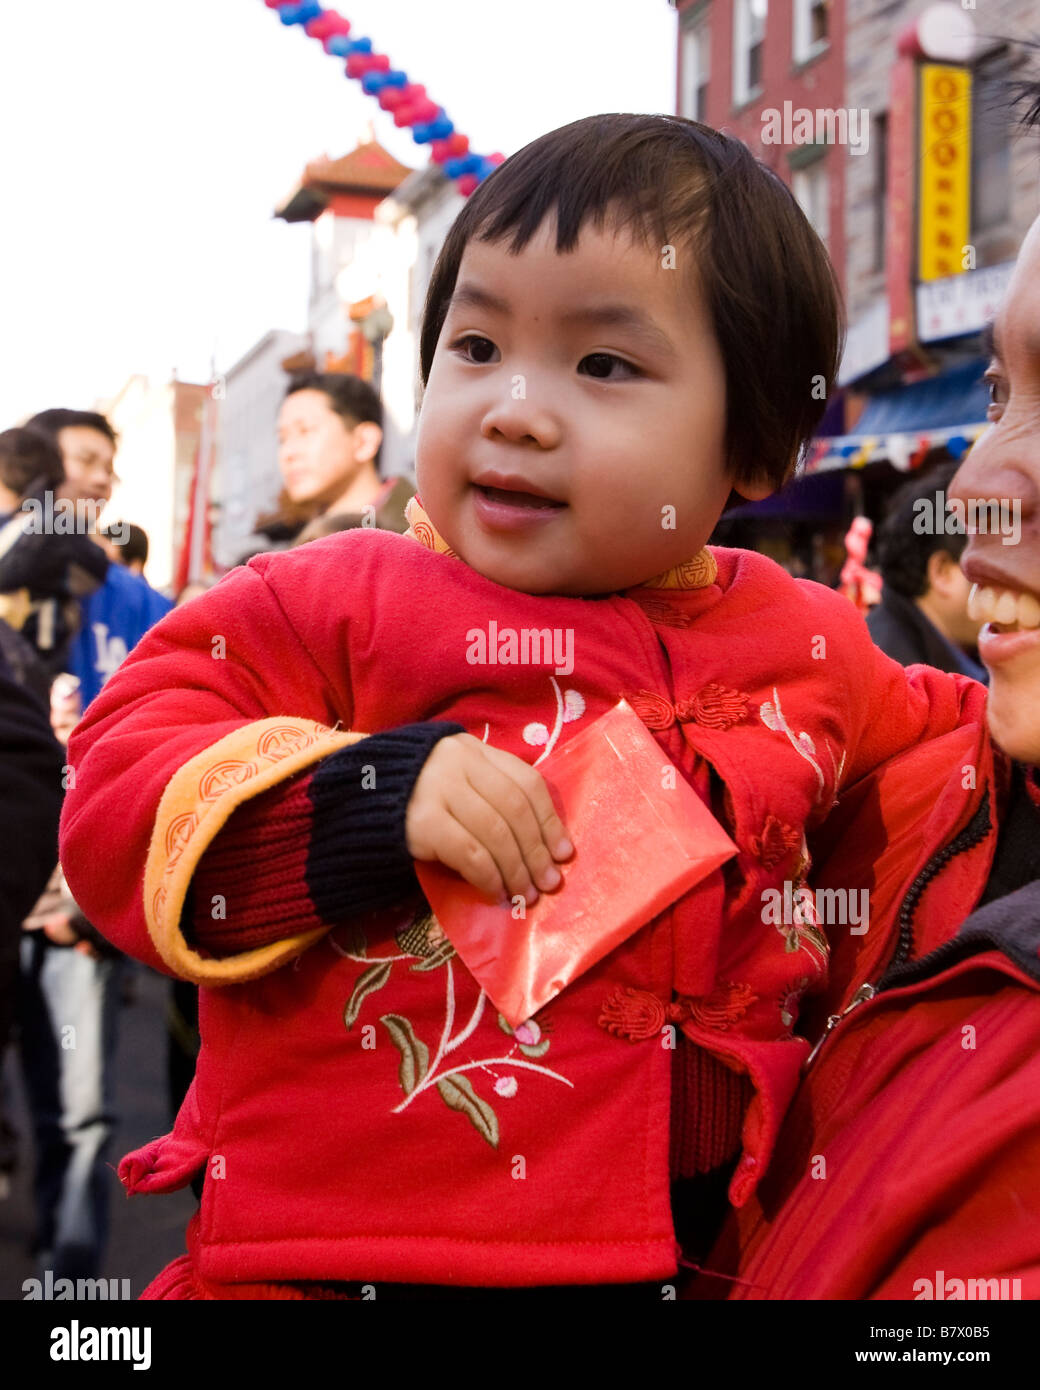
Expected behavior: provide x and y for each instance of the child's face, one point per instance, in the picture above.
(592, 378)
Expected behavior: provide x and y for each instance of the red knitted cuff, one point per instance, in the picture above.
(250, 887)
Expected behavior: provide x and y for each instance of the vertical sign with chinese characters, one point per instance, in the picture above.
(944, 191)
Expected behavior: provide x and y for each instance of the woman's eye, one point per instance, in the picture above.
(475, 348)
(600, 365)
(998, 395)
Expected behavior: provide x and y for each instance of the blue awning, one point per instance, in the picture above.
(946, 409)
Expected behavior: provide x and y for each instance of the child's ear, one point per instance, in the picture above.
(754, 488)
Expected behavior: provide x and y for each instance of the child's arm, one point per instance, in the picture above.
(326, 845)
(342, 839)
(264, 815)
(218, 703)
(920, 769)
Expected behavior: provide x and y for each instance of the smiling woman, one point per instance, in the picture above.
(922, 1113)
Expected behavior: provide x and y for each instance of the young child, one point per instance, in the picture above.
(279, 752)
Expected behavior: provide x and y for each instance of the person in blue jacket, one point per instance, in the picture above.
(118, 614)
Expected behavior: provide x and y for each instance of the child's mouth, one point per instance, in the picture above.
(503, 509)
(518, 499)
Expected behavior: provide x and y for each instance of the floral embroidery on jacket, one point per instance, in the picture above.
(423, 941)
(773, 718)
(803, 929)
(790, 999)
(570, 705)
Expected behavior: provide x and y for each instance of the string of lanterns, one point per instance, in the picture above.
(406, 101)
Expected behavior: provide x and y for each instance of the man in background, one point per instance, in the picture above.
(127, 545)
(923, 613)
(118, 614)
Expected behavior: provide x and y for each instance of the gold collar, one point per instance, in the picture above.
(695, 573)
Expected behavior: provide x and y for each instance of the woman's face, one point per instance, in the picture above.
(316, 448)
(1002, 560)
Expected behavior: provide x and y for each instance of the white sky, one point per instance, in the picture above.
(146, 143)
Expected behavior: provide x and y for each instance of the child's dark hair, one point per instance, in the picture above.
(52, 422)
(768, 284)
(903, 552)
(352, 398)
(29, 459)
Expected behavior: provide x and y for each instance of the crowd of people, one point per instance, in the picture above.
(74, 601)
(267, 799)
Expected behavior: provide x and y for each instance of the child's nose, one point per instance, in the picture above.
(521, 420)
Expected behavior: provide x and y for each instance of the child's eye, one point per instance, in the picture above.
(474, 348)
(601, 363)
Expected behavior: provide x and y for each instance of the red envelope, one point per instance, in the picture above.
(639, 844)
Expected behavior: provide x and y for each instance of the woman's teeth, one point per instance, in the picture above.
(1004, 608)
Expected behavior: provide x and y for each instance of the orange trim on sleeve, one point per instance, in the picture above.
(197, 802)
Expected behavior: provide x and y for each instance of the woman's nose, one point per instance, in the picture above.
(1002, 466)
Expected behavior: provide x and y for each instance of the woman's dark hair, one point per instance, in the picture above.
(904, 546)
(29, 458)
(52, 422)
(351, 397)
(768, 284)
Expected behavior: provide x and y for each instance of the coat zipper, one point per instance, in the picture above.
(865, 992)
(975, 831)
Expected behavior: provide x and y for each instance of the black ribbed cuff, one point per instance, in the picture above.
(358, 857)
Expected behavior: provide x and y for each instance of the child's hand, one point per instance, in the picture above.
(489, 816)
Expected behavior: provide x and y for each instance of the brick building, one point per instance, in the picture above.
(756, 69)
(922, 219)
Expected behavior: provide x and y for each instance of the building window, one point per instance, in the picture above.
(810, 28)
(811, 187)
(749, 31)
(879, 139)
(696, 71)
(990, 147)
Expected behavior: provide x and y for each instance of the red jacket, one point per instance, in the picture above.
(362, 1113)
(907, 1166)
